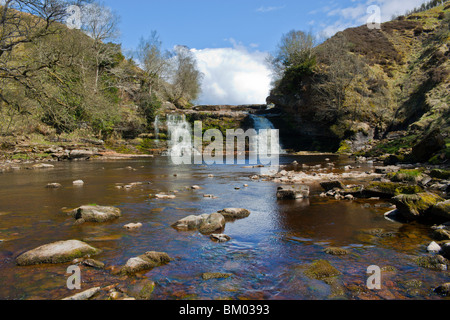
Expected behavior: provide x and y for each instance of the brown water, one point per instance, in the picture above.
(267, 255)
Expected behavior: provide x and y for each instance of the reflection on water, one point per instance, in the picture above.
(266, 255)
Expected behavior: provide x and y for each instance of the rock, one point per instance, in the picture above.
(85, 295)
(440, 174)
(142, 290)
(43, 166)
(115, 295)
(415, 206)
(441, 210)
(133, 226)
(195, 188)
(53, 186)
(434, 248)
(215, 275)
(80, 154)
(293, 192)
(431, 144)
(441, 234)
(95, 214)
(220, 238)
(445, 250)
(443, 290)
(78, 183)
(436, 262)
(349, 197)
(330, 185)
(336, 251)
(235, 213)
(386, 169)
(213, 222)
(93, 264)
(189, 223)
(387, 190)
(165, 196)
(147, 261)
(321, 270)
(58, 252)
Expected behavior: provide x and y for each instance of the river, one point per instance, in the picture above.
(267, 253)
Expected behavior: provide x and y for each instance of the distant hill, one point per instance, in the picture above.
(370, 85)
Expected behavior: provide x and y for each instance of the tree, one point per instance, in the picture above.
(154, 61)
(185, 80)
(295, 48)
(101, 24)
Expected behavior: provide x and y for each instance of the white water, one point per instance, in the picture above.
(262, 123)
(156, 124)
(180, 136)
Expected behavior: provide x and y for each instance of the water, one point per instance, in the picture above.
(262, 123)
(156, 125)
(267, 253)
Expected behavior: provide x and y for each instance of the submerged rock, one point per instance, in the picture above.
(93, 264)
(443, 290)
(321, 270)
(57, 252)
(94, 213)
(147, 261)
(215, 275)
(336, 251)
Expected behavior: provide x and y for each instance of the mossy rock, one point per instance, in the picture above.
(215, 275)
(408, 176)
(415, 206)
(436, 262)
(321, 270)
(337, 251)
(442, 210)
(387, 190)
(440, 174)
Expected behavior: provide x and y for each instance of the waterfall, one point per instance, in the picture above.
(262, 123)
(156, 124)
(180, 135)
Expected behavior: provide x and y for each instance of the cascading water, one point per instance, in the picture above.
(156, 124)
(262, 123)
(180, 135)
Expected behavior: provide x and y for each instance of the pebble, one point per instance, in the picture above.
(78, 183)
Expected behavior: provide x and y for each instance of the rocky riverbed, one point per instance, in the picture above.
(203, 236)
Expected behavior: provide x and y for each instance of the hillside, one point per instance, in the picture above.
(372, 91)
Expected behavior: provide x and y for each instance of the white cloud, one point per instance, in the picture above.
(269, 9)
(233, 76)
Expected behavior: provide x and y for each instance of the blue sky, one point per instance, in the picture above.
(231, 38)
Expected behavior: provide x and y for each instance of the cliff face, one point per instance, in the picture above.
(370, 84)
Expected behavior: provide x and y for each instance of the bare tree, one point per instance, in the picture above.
(101, 24)
(154, 61)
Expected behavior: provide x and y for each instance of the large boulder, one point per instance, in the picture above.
(235, 213)
(293, 192)
(213, 223)
(415, 206)
(431, 144)
(94, 213)
(387, 190)
(147, 261)
(58, 252)
(205, 223)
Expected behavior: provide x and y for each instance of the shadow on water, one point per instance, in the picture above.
(267, 253)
